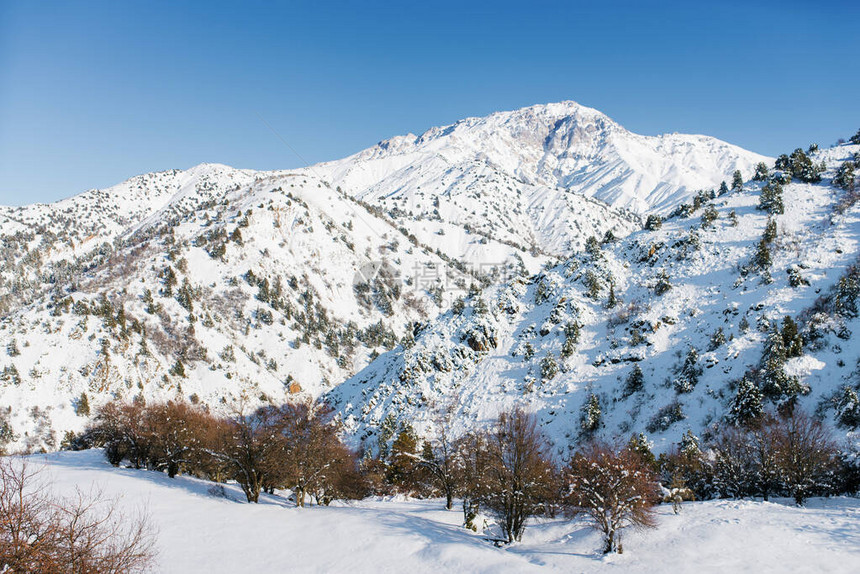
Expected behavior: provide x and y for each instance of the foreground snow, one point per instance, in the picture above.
(204, 529)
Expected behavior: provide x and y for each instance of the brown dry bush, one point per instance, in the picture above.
(81, 534)
(615, 489)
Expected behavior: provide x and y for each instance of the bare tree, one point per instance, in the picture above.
(250, 448)
(123, 431)
(805, 455)
(442, 460)
(615, 489)
(518, 475)
(314, 457)
(177, 432)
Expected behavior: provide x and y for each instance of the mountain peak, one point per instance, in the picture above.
(556, 145)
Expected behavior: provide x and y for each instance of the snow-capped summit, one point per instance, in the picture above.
(559, 145)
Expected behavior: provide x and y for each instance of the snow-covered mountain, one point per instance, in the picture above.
(228, 286)
(522, 176)
(567, 341)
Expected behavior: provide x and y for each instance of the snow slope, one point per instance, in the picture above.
(492, 354)
(237, 339)
(200, 530)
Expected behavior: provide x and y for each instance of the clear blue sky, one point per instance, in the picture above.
(92, 93)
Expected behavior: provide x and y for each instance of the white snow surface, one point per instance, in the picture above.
(199, 531)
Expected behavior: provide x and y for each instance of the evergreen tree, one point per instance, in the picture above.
(770, 231)
(855, 139)
(733, 218)
(590, 420)
(592, 284)
(548, 368)
(709, 215)
(747, 405)
(737, 181)
(845, 176)
(653, 222)
(528, 351)
(724, 189)
(572, 333)
(635, 381)
(82, 407)
(762, 259)
(688, 375)
(169, 281)
(770, 199)
(791, 338)
(718, 339)
(689, 445)
(178, 369)
(847, 292)
(775, 382)
(612, 301)
(568, 347)
(803, 168)
(592, 246)
(761, 172)
(640, 444)
(663, 285)
(848, 408)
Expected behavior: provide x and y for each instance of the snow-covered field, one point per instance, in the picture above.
(199, 531)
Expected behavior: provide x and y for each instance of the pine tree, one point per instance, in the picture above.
(663, 285)
(612, 301)
(845, 178)
(770, 199)
(653, 222)
(791, 338)
(855, 139)
(737, 181)
(775, 382)
(770, 231)
(761, 172)
(640, 444)
(688, 375)
(747, 405)
(689, 445)
(548, 368)
(724, 189)
(803, 168)
(592, 246)
(178, 369)
(592, 284)
(718, 339)
(169, 281)
(848, 408)
(762, 259)
(568, 347)
(847, 292)
(709, 215)
(590, 420)
(82, 407)
(635, 381)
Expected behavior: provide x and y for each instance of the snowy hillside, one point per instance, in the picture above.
(688, 303)
(203, 527)
(231, 292)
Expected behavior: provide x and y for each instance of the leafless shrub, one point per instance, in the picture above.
(615, 489)
(84, 534)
